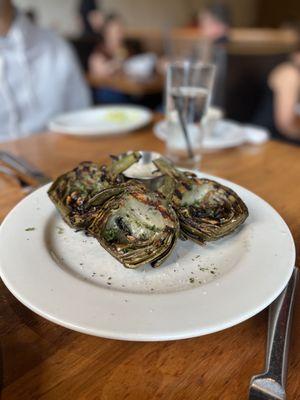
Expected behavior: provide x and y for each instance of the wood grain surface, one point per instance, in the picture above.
(41, 360)
(246, 40)
(127, 85)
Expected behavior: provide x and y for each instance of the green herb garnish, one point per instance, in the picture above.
(60, 230)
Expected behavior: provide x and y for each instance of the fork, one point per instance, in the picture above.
(12, 174)
(22, 170)
(271, 384)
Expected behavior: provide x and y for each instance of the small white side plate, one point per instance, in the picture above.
(100, 121)
(71, 280)
(225, 134)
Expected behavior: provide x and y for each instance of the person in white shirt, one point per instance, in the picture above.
(39, 76)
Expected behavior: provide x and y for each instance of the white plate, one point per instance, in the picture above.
(225, 134)
(65, 276)
(103, 120)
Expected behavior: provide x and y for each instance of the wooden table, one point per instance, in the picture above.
(127, 85)
(245, 40)
(44, 361)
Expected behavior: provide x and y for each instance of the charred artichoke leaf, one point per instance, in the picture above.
(71, 191)
(206, 209)
(165, 186)
(134, 225)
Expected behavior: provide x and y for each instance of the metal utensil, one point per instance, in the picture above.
(183, 126)
(12, 174)
(23, 168)
(271, 384)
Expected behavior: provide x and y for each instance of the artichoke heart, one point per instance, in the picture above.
(71, 191)
(134, 225)
(138, 223)
(206, 209)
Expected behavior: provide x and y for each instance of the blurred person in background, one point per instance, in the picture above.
(39, 76)
(214, 23)
(91, 18)
(109, 54)
(284, 81)
(108, 58)
(115, 53)
(279, 109)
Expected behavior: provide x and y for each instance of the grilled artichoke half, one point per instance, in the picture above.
(71, 191)
(206, 209)
(134, 225)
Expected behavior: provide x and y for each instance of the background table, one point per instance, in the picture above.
(44, 361)
(127, 85)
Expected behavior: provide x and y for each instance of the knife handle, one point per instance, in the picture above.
(280, 321)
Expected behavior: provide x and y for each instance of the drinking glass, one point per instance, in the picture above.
(188, 93)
